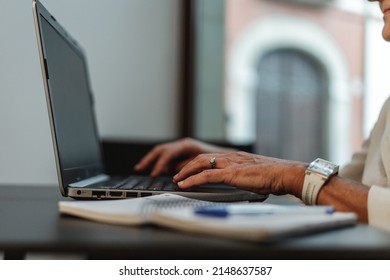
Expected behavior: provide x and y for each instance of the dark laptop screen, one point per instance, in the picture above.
(71, 106)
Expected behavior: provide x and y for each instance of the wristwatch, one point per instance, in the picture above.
(316, 175)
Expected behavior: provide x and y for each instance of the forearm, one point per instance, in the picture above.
(345, 195)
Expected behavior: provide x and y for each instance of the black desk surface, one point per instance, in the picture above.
(30, 222)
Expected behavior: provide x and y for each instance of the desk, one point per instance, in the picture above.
(29, 222)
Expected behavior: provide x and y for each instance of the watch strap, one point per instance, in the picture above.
(311, 187)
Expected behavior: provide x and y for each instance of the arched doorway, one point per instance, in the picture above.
(291, 105)
(242, 79)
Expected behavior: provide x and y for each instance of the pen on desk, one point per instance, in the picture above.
(247, 209)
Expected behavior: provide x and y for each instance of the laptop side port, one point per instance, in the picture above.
(132, 194)
(98, 194)
(146, 194)
(116, 194)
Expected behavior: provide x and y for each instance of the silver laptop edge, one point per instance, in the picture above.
(47, 95)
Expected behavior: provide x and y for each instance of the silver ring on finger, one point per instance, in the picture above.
(212, 162)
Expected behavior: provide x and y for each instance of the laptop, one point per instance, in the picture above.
(77, 147)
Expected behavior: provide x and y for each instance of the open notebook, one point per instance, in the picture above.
(180, 213)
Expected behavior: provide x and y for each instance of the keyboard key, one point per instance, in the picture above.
(129, 184)
(143, 185)
(156, 186)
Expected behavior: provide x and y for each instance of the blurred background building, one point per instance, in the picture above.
(298, 75)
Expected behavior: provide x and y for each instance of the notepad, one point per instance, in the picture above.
(180, 213)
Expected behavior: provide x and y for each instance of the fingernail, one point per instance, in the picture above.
(180, 183)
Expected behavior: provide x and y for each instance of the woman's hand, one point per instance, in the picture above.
(170, 157)
(245, 171)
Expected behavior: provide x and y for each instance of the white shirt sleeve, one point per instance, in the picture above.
(379, 207)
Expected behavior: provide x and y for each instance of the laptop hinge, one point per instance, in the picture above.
(90, 181)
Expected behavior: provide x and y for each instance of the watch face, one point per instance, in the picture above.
(323, 167)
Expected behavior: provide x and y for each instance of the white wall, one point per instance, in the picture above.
(377, 53)
(132, 49)
(377, 86)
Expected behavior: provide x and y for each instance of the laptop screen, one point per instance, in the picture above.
(71, 103)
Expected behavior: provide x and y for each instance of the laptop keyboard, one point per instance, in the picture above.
(136, 182)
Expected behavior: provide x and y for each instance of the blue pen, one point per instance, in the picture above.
(248, 209)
